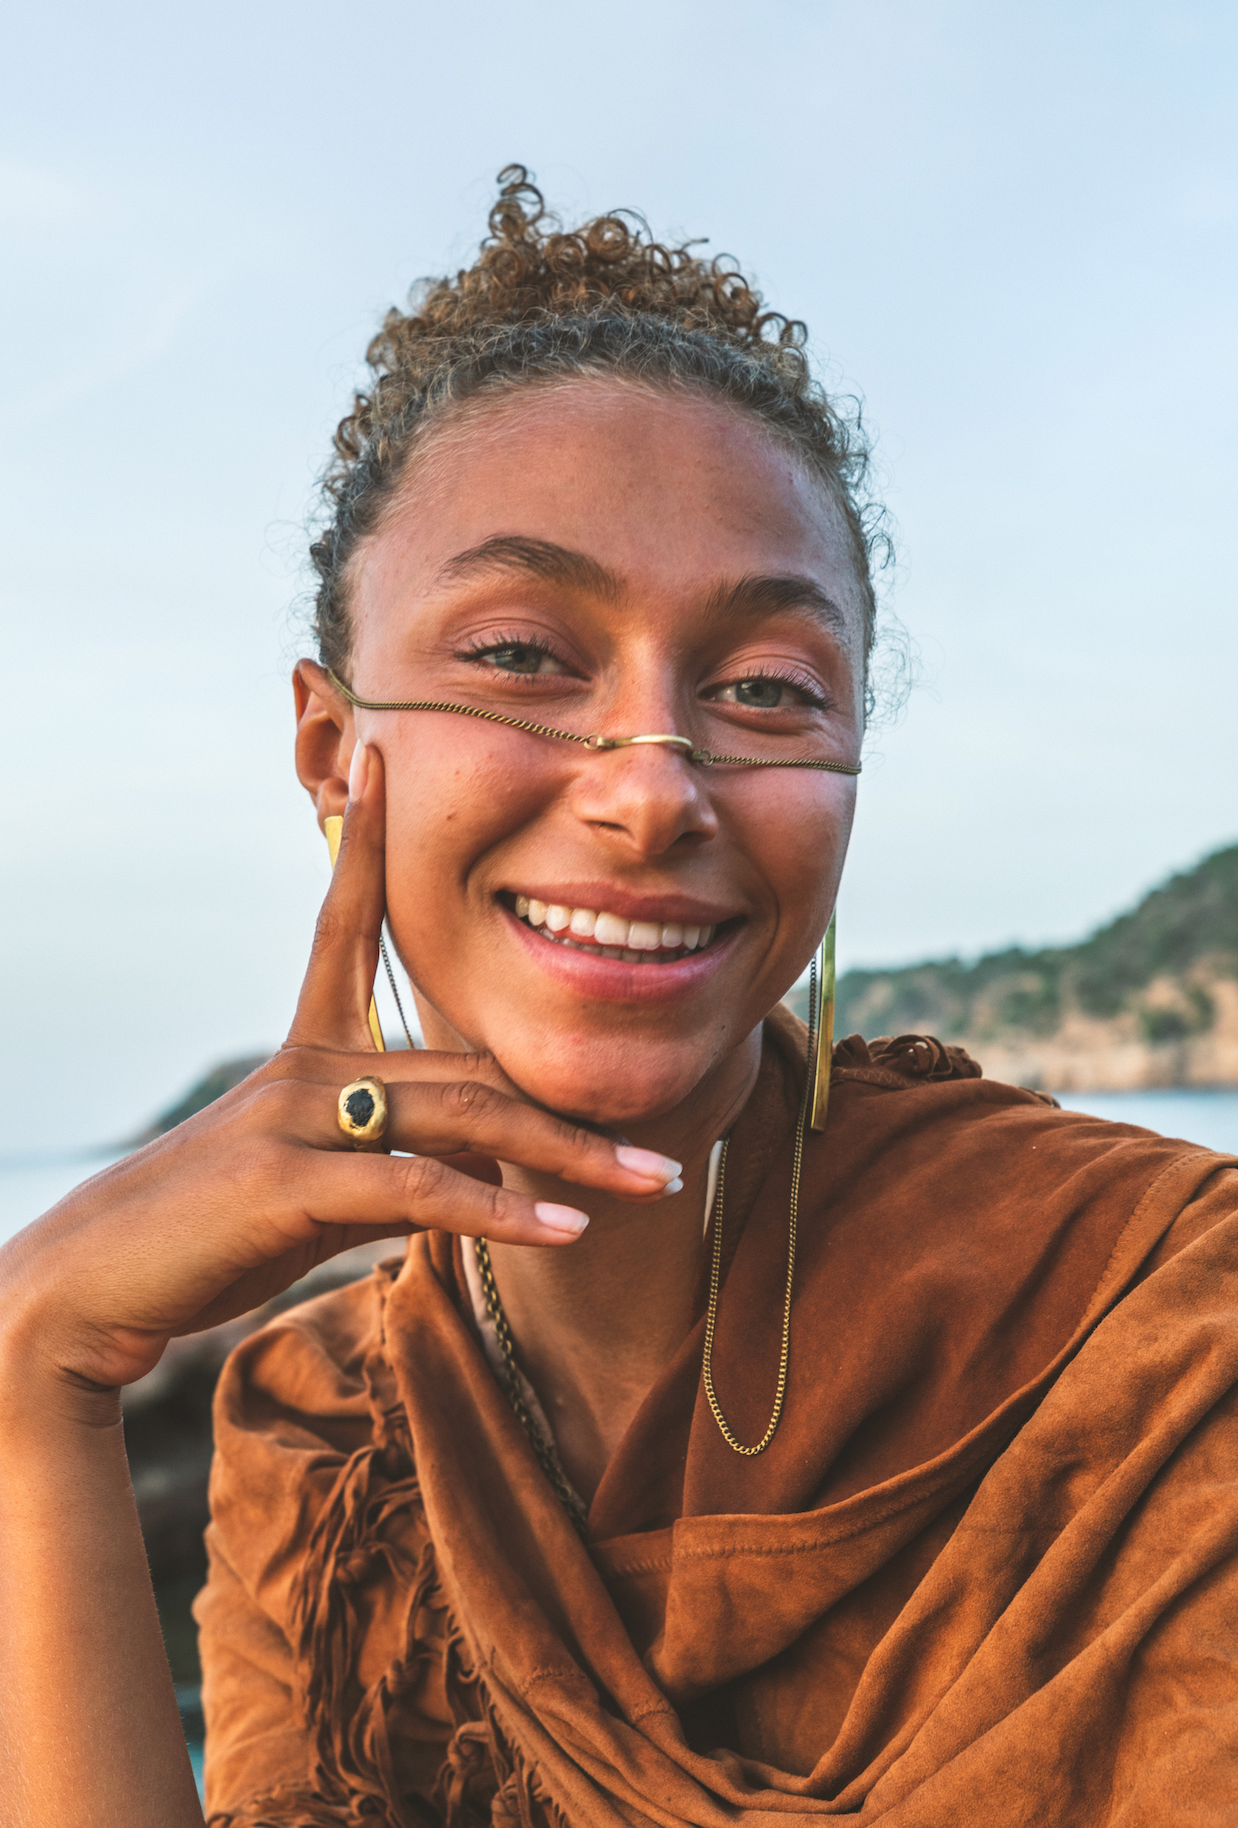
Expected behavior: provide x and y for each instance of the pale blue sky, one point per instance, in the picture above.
(1011, 228)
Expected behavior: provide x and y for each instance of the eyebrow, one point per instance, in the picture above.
(765, 595)
(754, 595)
(539, 559)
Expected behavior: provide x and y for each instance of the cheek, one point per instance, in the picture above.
(797, 840)
(445, 813)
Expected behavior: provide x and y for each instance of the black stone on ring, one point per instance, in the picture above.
(360, 1106)
(361, 1111)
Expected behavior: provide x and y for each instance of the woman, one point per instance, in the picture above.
(878, 1469)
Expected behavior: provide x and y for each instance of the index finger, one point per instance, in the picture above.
(334, 1004)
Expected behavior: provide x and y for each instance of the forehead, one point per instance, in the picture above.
(674, 495)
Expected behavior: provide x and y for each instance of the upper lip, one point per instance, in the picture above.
(667, 906)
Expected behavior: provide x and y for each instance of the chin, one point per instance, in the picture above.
(628, 1088)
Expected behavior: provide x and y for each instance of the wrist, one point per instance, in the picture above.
(40, 1391)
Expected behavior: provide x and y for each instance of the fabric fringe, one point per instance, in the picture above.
(481, 1782)
(351, 1752)
(280, 1809)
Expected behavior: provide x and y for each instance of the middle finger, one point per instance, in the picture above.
(468, 1116)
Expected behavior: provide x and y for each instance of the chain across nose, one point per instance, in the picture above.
(682, 743)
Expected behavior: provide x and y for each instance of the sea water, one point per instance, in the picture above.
(1196, 1115)
(29, 1185)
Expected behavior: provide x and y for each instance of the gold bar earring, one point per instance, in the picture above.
(332, 830)
(825, 1031)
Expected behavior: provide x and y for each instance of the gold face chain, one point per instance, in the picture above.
(545, 1455)
(715, 1270)
(705, 757)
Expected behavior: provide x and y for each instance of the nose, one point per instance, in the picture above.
(647, 797)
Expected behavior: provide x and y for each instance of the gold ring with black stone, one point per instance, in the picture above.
(362, 1112)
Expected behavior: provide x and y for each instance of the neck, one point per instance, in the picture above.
(597, 1324)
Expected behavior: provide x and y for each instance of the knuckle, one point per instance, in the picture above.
(331, 930)
(580, 1139)
(424, 1177)
(276, 1102)
(472, 1101)
(496, 1202)
(257, 1175)
(486, 1069)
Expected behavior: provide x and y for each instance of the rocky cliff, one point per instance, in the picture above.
(1151, 999)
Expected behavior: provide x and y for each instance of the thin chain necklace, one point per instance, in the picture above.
(715, 1271)
(544, 1453)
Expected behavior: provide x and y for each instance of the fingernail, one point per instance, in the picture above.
(645, 1162)
(560, 1218)
(675, 1186)
(358, 768)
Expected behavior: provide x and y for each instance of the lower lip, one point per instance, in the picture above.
(615, 979)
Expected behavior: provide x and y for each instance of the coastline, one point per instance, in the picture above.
(1093, 1054)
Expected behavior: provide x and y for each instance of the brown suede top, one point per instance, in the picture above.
(984, 1574)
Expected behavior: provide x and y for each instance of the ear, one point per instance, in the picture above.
(325, 739)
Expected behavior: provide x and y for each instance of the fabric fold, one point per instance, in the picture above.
(985, 1574)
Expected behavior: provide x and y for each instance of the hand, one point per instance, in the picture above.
(234, 1205)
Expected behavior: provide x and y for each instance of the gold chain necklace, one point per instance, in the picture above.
(544, 1453)
(715, 1272)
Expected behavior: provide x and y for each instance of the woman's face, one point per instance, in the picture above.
(603, 559)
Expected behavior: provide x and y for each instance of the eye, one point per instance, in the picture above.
(765, 692)
(525, 657)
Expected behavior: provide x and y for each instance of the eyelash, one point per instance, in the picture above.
(482, 650)
(799, 682)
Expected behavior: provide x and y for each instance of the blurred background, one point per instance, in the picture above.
(1012, 233)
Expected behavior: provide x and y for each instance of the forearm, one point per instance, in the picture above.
(89, 1732)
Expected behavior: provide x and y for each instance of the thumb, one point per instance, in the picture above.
(333, 1008)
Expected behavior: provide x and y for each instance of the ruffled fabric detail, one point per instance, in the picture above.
(902, 1060)
(281, 1809)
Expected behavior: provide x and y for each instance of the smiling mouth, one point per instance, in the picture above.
(605, 935)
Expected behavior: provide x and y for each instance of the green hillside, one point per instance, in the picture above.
(1185, 930)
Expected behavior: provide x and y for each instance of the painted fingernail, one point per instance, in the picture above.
(358, 769)
(675, 1186)
(645, 1162)
(560, 1218)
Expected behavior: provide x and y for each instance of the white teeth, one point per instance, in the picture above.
(612, 936)
(611, 931)
(645, 936)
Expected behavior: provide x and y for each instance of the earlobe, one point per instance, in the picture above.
(324, 740)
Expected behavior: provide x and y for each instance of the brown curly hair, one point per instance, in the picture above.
(540, 305)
